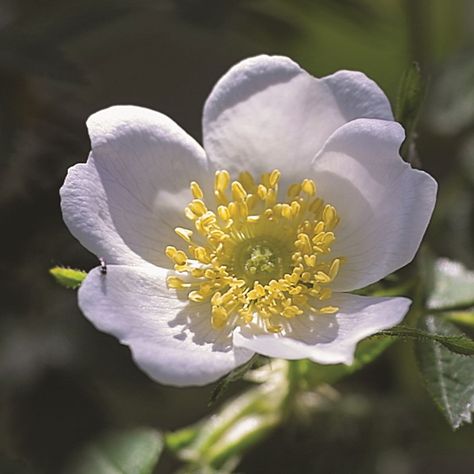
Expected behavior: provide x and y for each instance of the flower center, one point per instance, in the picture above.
(260, 260)
(254, 259)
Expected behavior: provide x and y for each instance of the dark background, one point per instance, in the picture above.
(61, 381)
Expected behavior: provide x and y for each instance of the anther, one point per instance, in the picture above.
(185, 234)
(196, 190)
(334, 269)
(238, 191)
(177, 283)
(308, 187)
(261, 191)
(294, 190)
(329, 216)
(242, 259)
(223, 213)
(198, 207)
(274, 178)
(328, 310)
(222, 180)
(219, 317)
(247, 181)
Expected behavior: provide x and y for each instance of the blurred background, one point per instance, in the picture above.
(61, 381)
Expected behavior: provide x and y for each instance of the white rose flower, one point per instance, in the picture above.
(251, 244)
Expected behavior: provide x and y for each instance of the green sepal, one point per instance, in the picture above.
(68, 277)
(410, 97)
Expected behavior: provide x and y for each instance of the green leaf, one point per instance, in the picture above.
(367, 351)
(68, 277)
(448, 376)
(464, 318)
(134, 451)
(409, 100)
(458, 343)
(453, 287)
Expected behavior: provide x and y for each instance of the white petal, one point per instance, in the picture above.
(384, 204)
(327, 339)
(357, 96)
(170, 339)
(124, 203)
(268, 113)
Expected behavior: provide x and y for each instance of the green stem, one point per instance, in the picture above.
(240, 423)
(454, 307)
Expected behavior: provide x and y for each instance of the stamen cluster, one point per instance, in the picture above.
(253, 258)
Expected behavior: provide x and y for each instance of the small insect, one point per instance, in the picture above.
(103, 266)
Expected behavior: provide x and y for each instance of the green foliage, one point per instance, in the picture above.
(409, 100)
(179, 440)
(453, 286)
(442, 348)
(68, 277)
(128, 452)
(457, 343)
(448, 376)
(220, 440)
(243, 421)
(463, 318)
(410, 96)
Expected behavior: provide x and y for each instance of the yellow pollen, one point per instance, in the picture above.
(256, 260)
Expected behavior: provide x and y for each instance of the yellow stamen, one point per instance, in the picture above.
(256, 260)
(196, 190)
(248, 182)
(222, 180)
(185, 234)
(238, 192)
(308, 187)
(274, 178)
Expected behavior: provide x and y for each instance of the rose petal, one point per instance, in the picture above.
(385, 205)
(327, 339)
(125, 202)
(268, 113)
(357, 96)
(171, 340)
